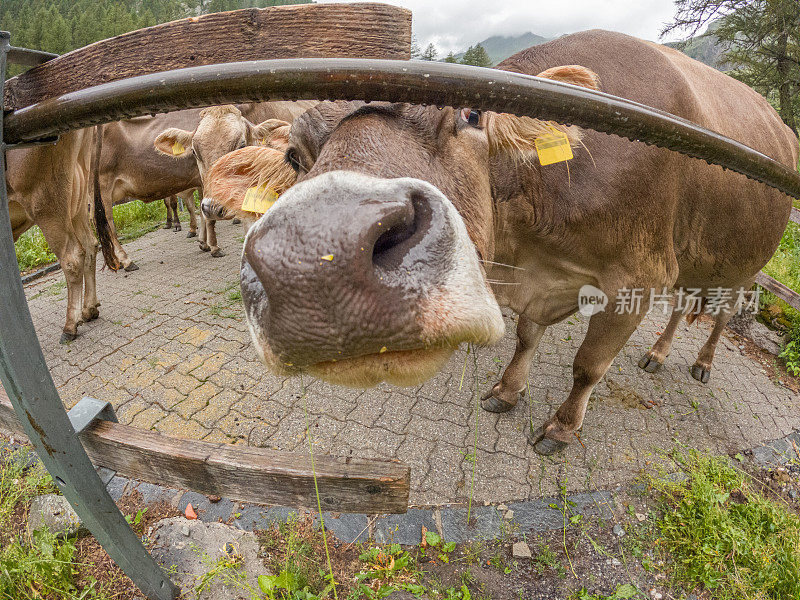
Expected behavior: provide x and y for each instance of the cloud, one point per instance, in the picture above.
(456, 24)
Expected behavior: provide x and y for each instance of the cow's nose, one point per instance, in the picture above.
(343, 264)
(211, 209)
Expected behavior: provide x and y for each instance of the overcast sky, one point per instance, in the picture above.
(456, 24)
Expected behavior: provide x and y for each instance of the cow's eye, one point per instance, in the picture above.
(472, 117)
(291, 158)
(240, 145)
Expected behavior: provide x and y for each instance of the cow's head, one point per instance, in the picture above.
(222, 129)
(256, 168)
(370, 269)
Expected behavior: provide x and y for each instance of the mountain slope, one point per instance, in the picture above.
(705, 48)
(500, 47)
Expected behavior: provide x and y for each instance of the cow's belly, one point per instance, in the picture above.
(20, 221)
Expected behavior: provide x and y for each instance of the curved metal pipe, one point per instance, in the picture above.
(399, 81)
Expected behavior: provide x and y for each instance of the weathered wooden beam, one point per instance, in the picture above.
(242, 473)
(363, 30)
(786, 294)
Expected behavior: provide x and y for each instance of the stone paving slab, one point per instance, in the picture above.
(172, 353)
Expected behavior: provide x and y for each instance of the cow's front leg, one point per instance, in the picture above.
(701, 369)
(203, 233)
(168, 205)
(212, 239)
(188, 201)
(506, 393)
(605, 337)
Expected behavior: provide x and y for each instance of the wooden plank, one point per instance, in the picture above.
(242, 473)
(795, 215)
(789, 296)
(363, 30)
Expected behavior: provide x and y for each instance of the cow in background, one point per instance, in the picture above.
(129, 169)
(223, 129)
(48, 186)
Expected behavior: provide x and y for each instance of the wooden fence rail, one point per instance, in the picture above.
(246, 473)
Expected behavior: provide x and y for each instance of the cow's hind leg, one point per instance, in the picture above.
(654, 358)
(605, 337)
(63, 242)
(89, 308)
(122, 256)
(701, 369)
(505, 394)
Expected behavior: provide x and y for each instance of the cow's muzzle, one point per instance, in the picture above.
(359, 279)
(215, 212)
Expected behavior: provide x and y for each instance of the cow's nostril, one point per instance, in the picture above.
(395, 243)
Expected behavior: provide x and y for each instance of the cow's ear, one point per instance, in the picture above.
(266, 130)
(574, 74)
(174, 142)
(518, 135)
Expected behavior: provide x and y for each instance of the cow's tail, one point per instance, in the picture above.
(100, 217)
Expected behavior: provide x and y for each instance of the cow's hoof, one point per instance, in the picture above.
(237, 221)
(178, 228)
(205, 247)
(67, 337)
(132, 267)
(168, 225)
(90, 314)
(218, 253)
(497, 400)
(191, 234)
(542, 444)
(700, 373)
(649, 363)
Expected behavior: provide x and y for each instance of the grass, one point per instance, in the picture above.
(133, 220)
(32, 250)
(37, 565)
(721, 534)
(230, 304)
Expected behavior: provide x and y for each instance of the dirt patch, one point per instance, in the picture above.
(772, 365)
(95, 563)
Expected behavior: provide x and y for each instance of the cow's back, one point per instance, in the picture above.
(667, 79)
(131, 165)
(652, 208)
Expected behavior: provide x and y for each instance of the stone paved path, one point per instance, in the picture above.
(172, 353)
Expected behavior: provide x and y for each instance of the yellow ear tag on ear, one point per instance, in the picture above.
(553, 147)
(259, 199)
(177, 148)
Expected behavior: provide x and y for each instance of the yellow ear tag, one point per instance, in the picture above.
(177, 148)
(259, 199)
(553, 147)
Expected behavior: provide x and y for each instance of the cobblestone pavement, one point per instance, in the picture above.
(172, 353)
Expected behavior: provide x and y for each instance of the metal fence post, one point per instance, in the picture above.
(30, 388)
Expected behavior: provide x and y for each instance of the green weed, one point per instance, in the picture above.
(724, 535)
(32, 250)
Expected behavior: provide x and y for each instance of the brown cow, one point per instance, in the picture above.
(223, 129)
(410, 225)
(129, 169)
(49, 186)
